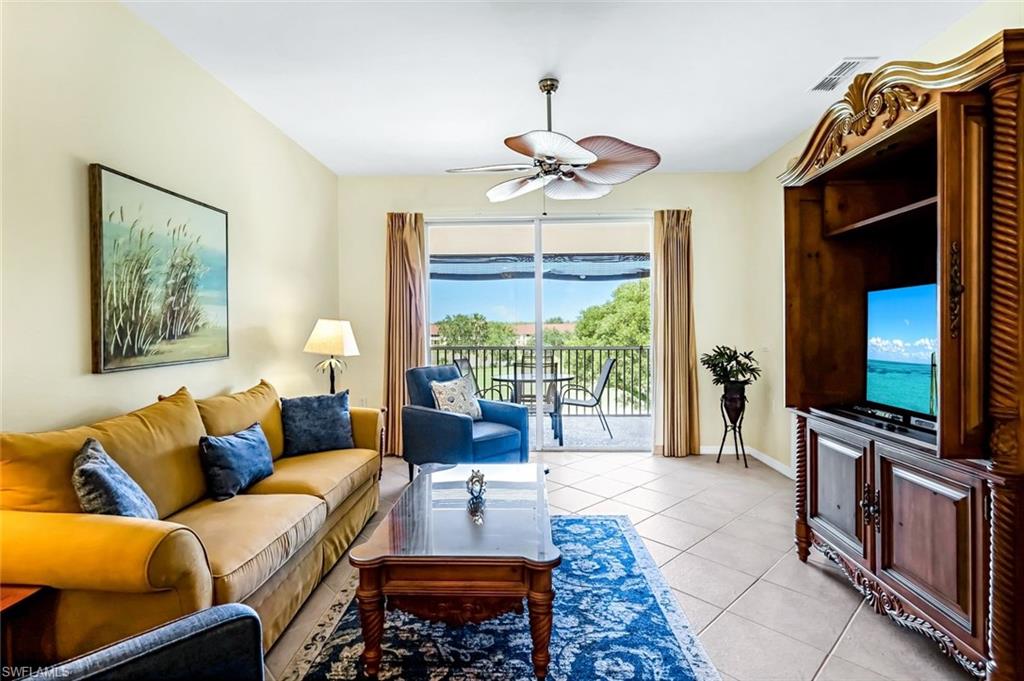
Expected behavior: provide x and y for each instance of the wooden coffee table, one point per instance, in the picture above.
(428, 557)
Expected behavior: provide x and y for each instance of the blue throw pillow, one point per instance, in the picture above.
(233, 463)
(316, 424)
(102, 486)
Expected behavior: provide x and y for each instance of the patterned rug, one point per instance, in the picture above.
(615, 618)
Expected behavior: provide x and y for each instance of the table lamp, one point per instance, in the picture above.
(332, 337)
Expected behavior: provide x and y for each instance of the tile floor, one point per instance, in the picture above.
(723, 538)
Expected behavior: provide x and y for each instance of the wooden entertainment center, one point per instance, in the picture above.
(915, 177)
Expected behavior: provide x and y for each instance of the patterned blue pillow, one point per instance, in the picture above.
(316, 424)
(102, 486)
(233, 463)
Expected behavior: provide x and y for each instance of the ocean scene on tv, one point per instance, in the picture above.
(902, 346)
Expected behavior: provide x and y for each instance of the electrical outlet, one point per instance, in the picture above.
(362, 401)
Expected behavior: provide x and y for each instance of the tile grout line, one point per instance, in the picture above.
(831, 651)
(740, 595)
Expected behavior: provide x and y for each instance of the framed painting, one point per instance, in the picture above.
(159, 275)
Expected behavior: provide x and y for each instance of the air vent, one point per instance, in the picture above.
(844, 70)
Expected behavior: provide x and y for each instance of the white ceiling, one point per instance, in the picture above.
(417, 87)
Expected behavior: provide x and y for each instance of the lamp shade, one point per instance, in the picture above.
(332, 337)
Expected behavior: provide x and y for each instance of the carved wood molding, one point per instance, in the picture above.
(1005, 306)
(894, 93)
(893, 607)
(1007, 216)
(857, 111)
(456, 610)
(858, 578)
(884, 602)
(800, 504)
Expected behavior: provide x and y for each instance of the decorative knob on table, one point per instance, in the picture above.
(476, 485)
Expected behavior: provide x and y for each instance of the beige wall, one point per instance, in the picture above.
(89, 82)
(768, 422)
(721, 255)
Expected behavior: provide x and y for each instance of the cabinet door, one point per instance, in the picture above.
(837, 474)
(930, 527)
(962, 216)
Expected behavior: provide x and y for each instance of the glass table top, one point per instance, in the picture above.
(432, 517)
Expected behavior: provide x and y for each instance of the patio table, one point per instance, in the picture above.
(515, 379)
(531, 377)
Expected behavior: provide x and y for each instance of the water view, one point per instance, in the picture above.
(901, 347)
(900, 384)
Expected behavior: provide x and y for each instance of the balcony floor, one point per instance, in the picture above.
(632, 433)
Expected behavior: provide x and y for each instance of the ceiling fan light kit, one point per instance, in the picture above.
(565, 169)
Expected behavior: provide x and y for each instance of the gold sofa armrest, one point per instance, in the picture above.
(368, 432)
(367, 425)
(104, 553)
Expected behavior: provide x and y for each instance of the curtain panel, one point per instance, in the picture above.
(675, 337)
(406, 317)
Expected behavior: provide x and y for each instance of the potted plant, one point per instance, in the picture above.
(734, 371)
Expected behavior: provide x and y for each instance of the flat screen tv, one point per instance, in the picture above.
(902, 348)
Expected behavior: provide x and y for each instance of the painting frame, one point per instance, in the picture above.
(101, 363)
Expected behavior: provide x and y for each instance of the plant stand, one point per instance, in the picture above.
(737, 432)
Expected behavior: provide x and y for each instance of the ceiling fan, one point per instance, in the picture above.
(565, 169)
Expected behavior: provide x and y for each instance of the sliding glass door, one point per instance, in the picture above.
(596, 309)
(553, 314)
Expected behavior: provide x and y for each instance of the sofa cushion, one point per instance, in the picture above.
(317, 423)
(103, 487)
(235, 462)
(227, 414)
(331, 475)
(491, 439)
(158, 446)
(248, 537)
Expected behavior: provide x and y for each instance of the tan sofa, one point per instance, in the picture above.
(113, 576)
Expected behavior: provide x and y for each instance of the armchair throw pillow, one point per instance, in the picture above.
(456, 396)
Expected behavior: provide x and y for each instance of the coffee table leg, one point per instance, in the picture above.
(539, 598)
(371, 616)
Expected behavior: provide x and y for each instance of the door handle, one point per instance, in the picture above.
(876, 511)
(956, 289)
(871, 505)
(865, 504)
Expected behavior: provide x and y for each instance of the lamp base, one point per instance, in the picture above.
(328, 366)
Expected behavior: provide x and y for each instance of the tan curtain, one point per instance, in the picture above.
(404, 340)
(674, 336)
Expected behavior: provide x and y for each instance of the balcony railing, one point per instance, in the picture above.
(628, 393)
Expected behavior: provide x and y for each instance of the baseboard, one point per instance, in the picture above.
(771, 462)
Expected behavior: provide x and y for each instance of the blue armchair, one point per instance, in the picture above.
(222, 643)
(432, 436)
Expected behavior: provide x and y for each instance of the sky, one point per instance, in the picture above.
(902, 324)
(511, 300)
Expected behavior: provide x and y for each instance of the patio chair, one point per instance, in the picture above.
(593, 399)
(502, 393)
(549, 404)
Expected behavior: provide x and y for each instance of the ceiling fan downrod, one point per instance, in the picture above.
(548, 86)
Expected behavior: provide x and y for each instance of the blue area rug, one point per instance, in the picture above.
(614, 618)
